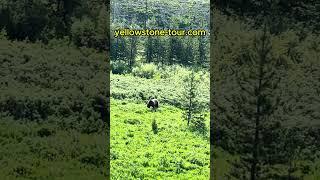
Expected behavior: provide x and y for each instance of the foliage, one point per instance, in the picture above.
(119, 67)
(167, 89)
(43, 20)
(32, 93)
(52, 111)
(27, 153)
(154, 126)
(53, 89)
(172, 153)
(288, 102)
(145, 70)
(158, 15)
(191, 104)
(199, 125)
(83, 32)
(284, 14)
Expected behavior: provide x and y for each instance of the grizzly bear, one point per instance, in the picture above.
(154, 103)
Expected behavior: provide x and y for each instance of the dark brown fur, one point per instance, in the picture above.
(154, 103)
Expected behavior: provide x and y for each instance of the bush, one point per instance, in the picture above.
(22, 171)
(126, 87)
(63, 42)
(119, 67)
(198, 124)
(154, 126)
(132, 121)
(91, 125)
(145, 70)
(92, 158)
(83, 32)
(3, 34)
(45, 132)
(173, 71)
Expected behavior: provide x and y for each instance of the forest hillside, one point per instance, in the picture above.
(54, 89)
(265, 88)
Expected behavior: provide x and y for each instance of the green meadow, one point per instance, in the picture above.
(139, 150)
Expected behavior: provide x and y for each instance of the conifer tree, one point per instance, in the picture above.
(191, 104)
(249, 106)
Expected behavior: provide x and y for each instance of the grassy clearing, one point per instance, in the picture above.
(173, 153)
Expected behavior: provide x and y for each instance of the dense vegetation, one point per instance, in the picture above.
(169, 89)
(146, 144)
(265, 90)
(173, 142)
(52, 102)
(48, 151)
(53, 90)
(155, 14)
(166, 150)
(82, 22)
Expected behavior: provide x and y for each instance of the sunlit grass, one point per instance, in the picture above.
(173, 153)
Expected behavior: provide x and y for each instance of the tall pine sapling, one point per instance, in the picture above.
(191, 103)
(248, 108)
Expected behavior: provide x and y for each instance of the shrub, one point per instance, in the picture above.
(145, 70)
(196, 161)
(22, 171)
(91, 125)
(154, 126)
(119, 67)
(132, 121)
(179, 167)
(63, 42)
(83, 32)
(126, 87)
(198, 124)
(3, 34)
(163, 164)
(92, 158)
(45, 132)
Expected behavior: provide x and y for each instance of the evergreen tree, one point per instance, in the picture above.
(189, 53)
(191, 104)
(133, 51)
(286, 104)
(149, 49)
(102, 30)
(248, 107)
(202, 61)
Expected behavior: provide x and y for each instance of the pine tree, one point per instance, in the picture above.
(102, 29)
(189, 53)
(191, 105)
(248, 106)
(202, 52)
(149, 49)
(133, 51)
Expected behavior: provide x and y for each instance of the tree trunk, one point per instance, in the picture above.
(146, 15)
(255, 153)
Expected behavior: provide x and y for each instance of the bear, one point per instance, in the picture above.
(154, 103)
